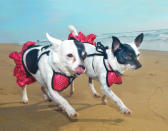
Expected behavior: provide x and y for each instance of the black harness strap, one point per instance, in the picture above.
(102, 52)
(46, 52)
(106, 66)
(101, 49)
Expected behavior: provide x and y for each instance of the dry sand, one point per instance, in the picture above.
(144, 91)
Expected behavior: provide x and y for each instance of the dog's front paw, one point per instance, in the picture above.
(96, 95)
(125, 110)
(25, 101)
(72, 114)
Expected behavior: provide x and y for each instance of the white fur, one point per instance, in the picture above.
(73, 30)
(59, 62)
(135, 48)
(24, 95)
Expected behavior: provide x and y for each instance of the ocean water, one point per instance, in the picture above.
(153, 39)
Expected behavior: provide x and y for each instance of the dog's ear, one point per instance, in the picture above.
(116, 43)
(138, 40)
(55, 42)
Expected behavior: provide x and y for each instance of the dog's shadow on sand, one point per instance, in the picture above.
(84, 106)
(30, 115)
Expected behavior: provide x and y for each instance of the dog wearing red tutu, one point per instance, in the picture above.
(54, 66)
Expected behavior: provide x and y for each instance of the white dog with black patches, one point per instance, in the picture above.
(55, 67)
(118, 57)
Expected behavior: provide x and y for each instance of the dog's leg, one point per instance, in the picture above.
(95, 94)
(72, 89)
(63, 103)
(108, 92)
(104, 100)
(24, 95)
(45, 94)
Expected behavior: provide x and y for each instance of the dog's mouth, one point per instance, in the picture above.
(80, 70)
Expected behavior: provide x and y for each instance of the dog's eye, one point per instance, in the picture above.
(128, 57)
(70, 55)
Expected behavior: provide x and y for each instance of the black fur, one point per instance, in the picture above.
(81, 49)
(126, 55)
(32, 61)
(139, 39)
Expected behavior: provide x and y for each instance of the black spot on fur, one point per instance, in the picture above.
(32, 61)
(81, 49)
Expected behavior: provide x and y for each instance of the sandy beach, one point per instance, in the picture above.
(144, 91)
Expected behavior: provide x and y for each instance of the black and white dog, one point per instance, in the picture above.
(119, 57)
(55, 66)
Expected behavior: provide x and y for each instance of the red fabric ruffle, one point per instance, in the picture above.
(19, 71)
(84, 39)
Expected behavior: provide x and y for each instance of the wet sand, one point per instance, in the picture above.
(144, 91)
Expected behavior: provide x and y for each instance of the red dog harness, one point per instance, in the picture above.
(111, 76)
(61, 81)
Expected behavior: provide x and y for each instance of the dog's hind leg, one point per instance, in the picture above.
(45, 94)
(72, 89)
(95, 94)
(108, 92)
(24, 95)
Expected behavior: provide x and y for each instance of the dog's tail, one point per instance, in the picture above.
(73, 30)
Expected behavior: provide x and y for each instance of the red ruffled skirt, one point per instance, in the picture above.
(84, 39)
(19, 71)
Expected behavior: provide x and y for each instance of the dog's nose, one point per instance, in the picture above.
(83, 67)
(138, 66)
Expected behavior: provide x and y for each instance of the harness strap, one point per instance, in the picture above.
(105, 65)
(102, 49)
(46, 52)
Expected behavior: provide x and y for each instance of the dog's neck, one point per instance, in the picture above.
(112, 60)
(56, 64)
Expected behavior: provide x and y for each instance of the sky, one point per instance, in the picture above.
(24, 20)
